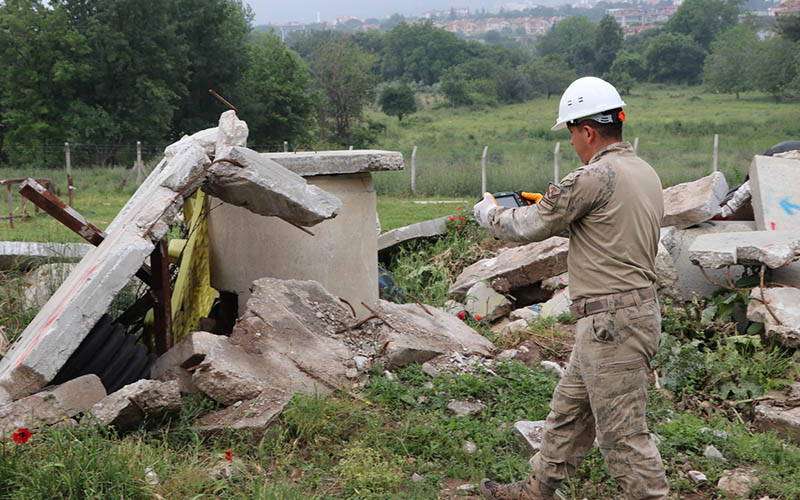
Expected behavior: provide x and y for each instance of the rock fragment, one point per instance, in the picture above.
(691, 203)
(126, 408)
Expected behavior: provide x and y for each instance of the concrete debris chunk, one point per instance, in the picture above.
(515, 268)
(51, 405)
(697, 477)
(527, 313)
(27, 255)
(298, 330)
(338, 162)
(266, 188)
(558, 304)
(556, 282)
(737, 483)
(785, 421)
(231, 132)
(126, 408)
(417, 334)
(773, 248)
(425, 229)
(43, 281)
(483, 301)
(785, 304)
(205, 139)
(254, 415)
(775, 187)
(466, 408)
(531, 432)
(667, 284)
(691, 203)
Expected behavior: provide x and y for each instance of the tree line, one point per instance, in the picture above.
(111, 72)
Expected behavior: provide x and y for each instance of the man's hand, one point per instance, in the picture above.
(483, 208)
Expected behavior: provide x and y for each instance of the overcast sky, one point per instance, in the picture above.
(280, 11)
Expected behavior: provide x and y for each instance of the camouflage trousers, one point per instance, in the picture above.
(603, 394)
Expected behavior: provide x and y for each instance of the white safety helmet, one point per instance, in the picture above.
(587, 98)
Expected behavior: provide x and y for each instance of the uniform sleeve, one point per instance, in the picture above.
(561, 205)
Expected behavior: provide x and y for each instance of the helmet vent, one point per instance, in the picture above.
(580, 99)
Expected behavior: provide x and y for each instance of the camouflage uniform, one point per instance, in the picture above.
(613, 208)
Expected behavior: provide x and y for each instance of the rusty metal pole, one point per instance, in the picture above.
(162, 310)
(10, 208)
(70, 187)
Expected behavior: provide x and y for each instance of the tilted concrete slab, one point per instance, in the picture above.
(694, 202)
(266, 188)
(773, 248)
(65, 320)
(784, 303)
(338, 162)
(126, 408)
(775, 187)
(515, 268)
(27, 255)
(425, 229)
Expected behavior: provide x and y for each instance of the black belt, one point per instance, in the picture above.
(612, 302)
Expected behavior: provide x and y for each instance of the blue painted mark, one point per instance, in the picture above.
(789, 208)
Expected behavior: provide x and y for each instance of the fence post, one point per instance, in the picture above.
(285, 146)
(483, 169)
(70, 187)
(636, 145)
(555, 163)
(139, 166)
(716, 151)
(414, 171)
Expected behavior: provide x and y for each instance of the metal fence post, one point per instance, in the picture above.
(636, 145)
(716, 151)
(70, 187)
(483, 169)
(555, 163)
(414, 171)
(139, 166)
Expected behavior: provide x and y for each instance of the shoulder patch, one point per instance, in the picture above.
(550, 198)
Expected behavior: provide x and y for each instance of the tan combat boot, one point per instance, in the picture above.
(527, 489)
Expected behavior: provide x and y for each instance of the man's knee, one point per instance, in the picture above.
(634, 461)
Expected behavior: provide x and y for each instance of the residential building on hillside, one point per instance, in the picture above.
(786, 8)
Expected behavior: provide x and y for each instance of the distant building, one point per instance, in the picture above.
(786, 8)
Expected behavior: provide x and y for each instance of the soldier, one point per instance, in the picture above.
(612, 207)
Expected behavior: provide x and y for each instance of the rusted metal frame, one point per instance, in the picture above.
(8, 183)
(68, 216)
(162, 310)
(763, 300)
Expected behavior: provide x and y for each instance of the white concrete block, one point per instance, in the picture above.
(775, 186)
(691, 203)
(773, 248)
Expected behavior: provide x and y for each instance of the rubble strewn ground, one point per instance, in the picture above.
(296, 343)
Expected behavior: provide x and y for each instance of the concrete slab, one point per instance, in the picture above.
(690, 279)
(43, 281)
(667, 284)
(785, 305)
(51, 405)
(425, 229)
(775, 187)
(515, 268)
(691, 203)
(254, 415)
(785, 421)
(265, 188)
(558, 304)
(773, 248)
(26, 255)
(531, 432)
(338, 162)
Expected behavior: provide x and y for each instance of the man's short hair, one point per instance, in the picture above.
(609, 130)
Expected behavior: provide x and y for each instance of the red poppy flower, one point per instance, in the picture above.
(458, 207)
(462, 315)
(229, 455)
(462, 218)
(21, 436)
(452, 218)
(458, 228)
(477, 317)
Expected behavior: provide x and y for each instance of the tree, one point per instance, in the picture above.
(703, 20)
(608, 41)
(631, 63)
(550, 75)
(512, 84)
(776, 66)
(789, 26)
(723, 69)
(344, 74)
(40, 66)
(281, 102)
(397, 100)
(573, 40)
(421, 53)
(215, 34)
(674, 58)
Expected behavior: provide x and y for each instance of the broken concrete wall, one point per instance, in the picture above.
(26, 255)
